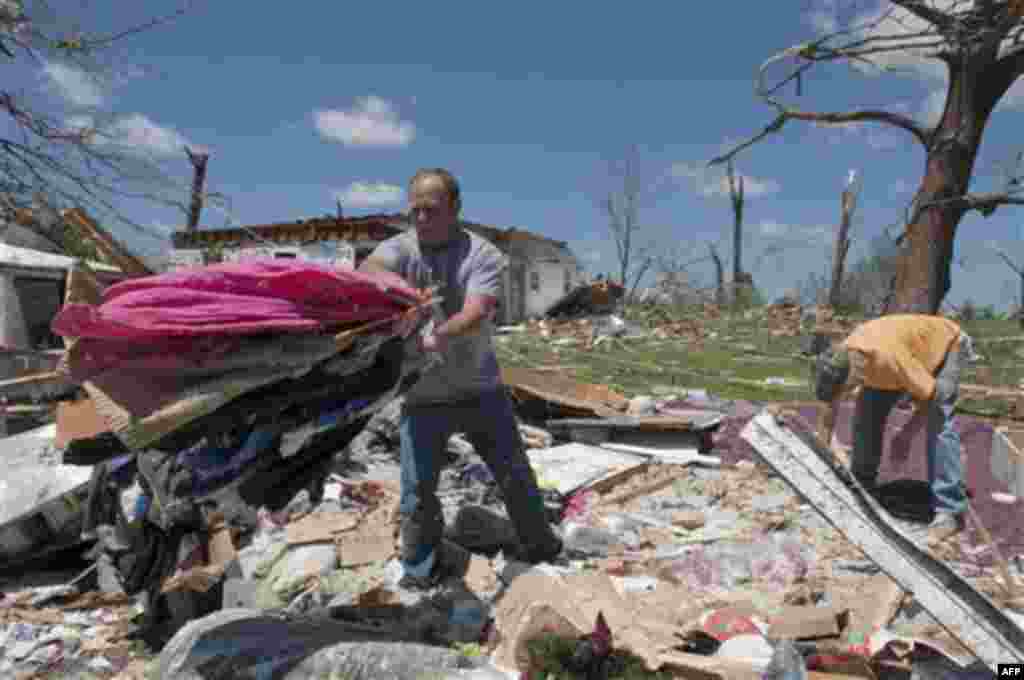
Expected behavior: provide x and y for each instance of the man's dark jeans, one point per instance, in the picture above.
(489, 423)
(945, 469)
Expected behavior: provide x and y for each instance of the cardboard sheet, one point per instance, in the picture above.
(569, 467)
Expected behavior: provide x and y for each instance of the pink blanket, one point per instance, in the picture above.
(235, 299)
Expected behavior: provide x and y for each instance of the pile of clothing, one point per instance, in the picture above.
(226, 389)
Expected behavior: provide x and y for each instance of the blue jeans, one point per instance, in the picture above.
(945, 469)
(489, 423)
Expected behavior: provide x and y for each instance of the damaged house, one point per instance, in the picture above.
(33, 274)
(541, 270)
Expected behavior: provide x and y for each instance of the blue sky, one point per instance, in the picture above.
(301, 103)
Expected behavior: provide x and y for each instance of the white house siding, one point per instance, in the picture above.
(329, 253)
(550, 266)
(13, 329)
(30, 288)
(551, 288)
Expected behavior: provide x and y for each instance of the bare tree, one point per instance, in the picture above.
(719, 274)
(866, 282)
(75, 159)
(622, 205)
(674, 266)
(848, 205)
(736, 198)
(1019, 271)
(199, 159)
(981, 44)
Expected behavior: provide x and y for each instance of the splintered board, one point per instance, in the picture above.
(1007, 459)
(789, 445)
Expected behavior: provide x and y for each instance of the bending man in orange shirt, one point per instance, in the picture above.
(885, 359)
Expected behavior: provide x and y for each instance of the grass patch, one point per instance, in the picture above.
(738, 357)
(470, 650)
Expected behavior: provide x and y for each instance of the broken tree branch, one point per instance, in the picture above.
(641, 270)
(848, 204)
(834, 118)
(987, 203)
(1009, 262)
(923, 11)
(858, 50)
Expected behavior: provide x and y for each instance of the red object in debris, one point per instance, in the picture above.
(601, 637)
(579, 505)
(724, 624)
(235, 299)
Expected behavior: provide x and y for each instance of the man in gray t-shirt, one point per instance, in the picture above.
(463, 392)
(466, 268)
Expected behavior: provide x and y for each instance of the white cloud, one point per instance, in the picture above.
(812, 235)
(712, 182)
(76, 86)
(371, 122)
(887, 21)
(369, 194)
(138, 131)
(135, 134)
(877, 136)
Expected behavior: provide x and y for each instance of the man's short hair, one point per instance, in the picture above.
(832, 370)
(451, 185)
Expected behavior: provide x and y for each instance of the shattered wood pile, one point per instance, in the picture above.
(678, 561)
(785, 319)
(599, 297)
(691, 330)
(203, 418)
(554, 394)
(577, 331)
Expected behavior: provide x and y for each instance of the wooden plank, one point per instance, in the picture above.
(37, 387)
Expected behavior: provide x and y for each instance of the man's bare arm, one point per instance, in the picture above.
(475, 309)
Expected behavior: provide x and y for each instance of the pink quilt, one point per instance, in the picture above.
(235, 299)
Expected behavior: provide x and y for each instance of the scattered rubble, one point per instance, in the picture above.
(686, 565)
(258, 533)
(599, 297)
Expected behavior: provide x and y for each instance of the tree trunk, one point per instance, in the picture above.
(842, 247)
(737, 247)
(736, 197)
(923, 273)
(195, 207)
(1020, 307)
(719, 275)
